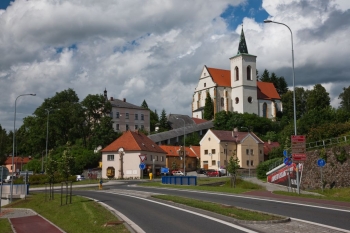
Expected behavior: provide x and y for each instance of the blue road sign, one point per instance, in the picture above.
(164, 170)
(142, 166)
(287, 161)
(285, 153)
(321, 162)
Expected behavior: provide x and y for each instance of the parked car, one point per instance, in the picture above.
(214, 173)
(222, 171)
(200, 171)
(178, 173)
(80, 177)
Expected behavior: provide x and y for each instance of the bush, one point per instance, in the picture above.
(265, 167)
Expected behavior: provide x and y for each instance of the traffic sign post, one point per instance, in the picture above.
(142, 157)
(321, 163)
(298, 153)
(142, 166)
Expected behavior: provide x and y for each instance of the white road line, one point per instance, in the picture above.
(191, 212)
(321, 225)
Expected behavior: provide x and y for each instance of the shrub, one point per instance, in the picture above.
(265, 167)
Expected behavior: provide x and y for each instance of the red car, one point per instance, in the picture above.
(213, 173)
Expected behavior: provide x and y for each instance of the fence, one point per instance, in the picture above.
(179, 180)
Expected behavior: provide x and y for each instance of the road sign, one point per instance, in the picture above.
(285, 153)
(298, 148)
(321, 162)
(287, 161)
(298, 158)
(23, 173)
(164, 170)
(142, 157)
(142, 166)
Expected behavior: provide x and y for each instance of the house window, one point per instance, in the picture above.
(213, 151)
(136, 116)
(237, 100)
(156, 157)
(247, 151)
(111, 114)
(142, 117)
(213, 162)
(261, 152)
(117, 126)
(151, 157)
(248, 163)
(236, 74)
(142, 127)
(205, 152)
(249, 75)
(250, 99)
(136, 127)
(110, 157)
(127, 115)
(162, 158)
(117, 115)
(222, 102)
(127, 127)
(251, 162)
(251, 152)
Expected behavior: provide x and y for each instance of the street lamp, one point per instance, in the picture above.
(248, 149)
(184, 145)
(294, 108)
(226, 159)
(295, 116)
(13, 143)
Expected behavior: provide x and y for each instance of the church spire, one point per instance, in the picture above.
(242, 47)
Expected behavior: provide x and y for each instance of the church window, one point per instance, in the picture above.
(250, 99)
(237, 100)
(236, 73)
(265, 110)
(249, 73)
(222, 102)
(205, 84)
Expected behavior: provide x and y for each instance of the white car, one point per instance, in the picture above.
(178, 173)
(80, 177)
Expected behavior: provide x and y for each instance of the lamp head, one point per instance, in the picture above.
(268, 21)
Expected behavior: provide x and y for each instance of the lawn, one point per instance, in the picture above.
(83, 215)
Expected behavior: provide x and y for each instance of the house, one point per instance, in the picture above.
(18, 163)
(237, 89)
(181, 125)
(126, 116)
(217, 146)
(121, 159)
(174, 157)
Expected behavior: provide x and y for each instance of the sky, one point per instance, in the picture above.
(155, 50)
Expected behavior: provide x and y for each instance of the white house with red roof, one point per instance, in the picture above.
(237, 89)
(121, 158)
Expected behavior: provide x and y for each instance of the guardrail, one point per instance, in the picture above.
(179, 180)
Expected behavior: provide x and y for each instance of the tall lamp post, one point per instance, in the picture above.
(226, 159)
(294, 108)
(13, 144)
(248, 149)
(184, 145)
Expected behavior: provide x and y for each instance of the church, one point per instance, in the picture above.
(237, 89)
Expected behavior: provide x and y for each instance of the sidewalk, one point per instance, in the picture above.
(28, 221)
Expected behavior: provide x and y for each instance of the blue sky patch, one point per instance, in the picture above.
(252, 9)
(5, 3)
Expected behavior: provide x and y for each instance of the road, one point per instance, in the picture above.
(156, 217)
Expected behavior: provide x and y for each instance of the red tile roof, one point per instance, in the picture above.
(221, 77)
(232, 136)
(17, 159)
(268, 146)
(133, 141)
(198, 121)
(267, 91)
(197, 150)
(172, 150)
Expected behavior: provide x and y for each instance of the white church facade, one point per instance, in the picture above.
(237, 89)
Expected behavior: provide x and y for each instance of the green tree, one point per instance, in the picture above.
(144, 104)
(265, 77)
(208, 108)
(232, 168)
(163, 122)
(318, 98)
(51, 168)
(103, 133)
(345, 99)
(33, 165)
(66, 163)
(192, 139)
(4, 143)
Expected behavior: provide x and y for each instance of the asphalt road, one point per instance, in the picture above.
(157, 217)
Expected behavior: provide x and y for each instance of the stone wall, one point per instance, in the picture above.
(335, 174)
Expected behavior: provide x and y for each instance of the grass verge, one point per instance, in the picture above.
(212, 184)
(5, 225)
(225, 210)
(83, 215)
(337, 194)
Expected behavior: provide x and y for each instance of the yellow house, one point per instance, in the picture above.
(217, 146)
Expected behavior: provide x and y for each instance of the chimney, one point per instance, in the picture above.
(269, 142)
(111, 98)
(124, 100)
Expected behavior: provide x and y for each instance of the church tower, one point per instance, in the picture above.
(243, 80)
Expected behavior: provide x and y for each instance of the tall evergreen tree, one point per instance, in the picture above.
(345, 99)
(144, 104)
(208, 108)
(163, 122)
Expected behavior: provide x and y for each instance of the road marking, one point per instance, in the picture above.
(189, 211)
(133, 225)
(321, 225)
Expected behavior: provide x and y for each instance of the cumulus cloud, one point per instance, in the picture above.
(155, 50)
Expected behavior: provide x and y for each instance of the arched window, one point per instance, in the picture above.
(250, 99)
(265, 110)
(110, 172)
(236, 73)
(249, 73)
(222, 102)
(237, 100)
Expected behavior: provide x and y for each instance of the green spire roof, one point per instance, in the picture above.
(242, 47)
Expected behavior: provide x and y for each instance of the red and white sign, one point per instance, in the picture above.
(299, 157)
(142, 157)
(298, 148)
